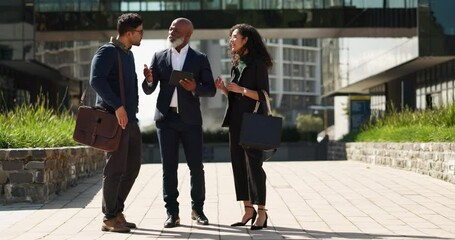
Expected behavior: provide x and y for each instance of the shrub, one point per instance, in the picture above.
(150, 136)
(308, 126)
(309, 123)
(290, 134)
(36, 125)
(217, 136)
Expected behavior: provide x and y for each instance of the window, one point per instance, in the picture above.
(309, 71)
(287, 85)
(287, 54)
(22, 97)
(297, 70)
(211, 4)
(310, 42)
(287, 69)
(310, 56)
(262, 4)
(297, 86)
(231, 4)
(84, 70)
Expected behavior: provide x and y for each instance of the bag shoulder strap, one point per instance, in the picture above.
(120, 79)
(267, 102)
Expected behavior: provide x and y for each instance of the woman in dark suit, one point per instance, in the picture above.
(249, 73)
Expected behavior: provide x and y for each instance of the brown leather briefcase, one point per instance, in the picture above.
(97, 128)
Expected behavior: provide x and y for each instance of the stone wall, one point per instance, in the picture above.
(37, 174)
(434, 159)
(336, 150)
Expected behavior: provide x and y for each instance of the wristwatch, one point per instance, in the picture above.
(244, 92)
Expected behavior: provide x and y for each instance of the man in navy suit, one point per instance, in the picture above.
(178, 116)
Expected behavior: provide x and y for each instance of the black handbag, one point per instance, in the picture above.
(261, 131)
(96, 127)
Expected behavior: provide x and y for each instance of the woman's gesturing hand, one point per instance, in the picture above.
(219, 84)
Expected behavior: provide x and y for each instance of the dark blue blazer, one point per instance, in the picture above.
(189, 104)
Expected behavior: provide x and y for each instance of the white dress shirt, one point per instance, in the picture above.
(177, 64)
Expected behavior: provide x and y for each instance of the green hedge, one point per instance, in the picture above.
(288, 134)
(430, 125)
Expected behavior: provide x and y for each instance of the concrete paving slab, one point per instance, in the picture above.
(305, 200)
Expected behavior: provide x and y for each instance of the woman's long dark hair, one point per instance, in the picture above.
(255, 46)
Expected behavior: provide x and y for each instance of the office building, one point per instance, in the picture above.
(415, 71)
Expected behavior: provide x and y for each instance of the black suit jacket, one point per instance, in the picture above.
(189, 104)
(255, 77)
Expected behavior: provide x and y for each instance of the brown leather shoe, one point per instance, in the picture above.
(121, 219)
(113, 225)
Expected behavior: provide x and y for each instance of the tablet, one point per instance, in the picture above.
(176, 76)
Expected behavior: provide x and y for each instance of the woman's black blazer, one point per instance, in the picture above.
(254, 77)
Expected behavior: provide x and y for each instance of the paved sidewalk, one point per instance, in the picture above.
(306, 200)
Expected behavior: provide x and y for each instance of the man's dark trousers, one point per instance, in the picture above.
(171, 130)
(121, 170)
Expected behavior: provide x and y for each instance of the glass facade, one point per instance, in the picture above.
(16, 31)
(363, 61)
(347, 61)
(436, 28)
(58, 15)
(16, 44)
(378, 100)
(334, 71)
(436, 86)
(416, 72)
(71, 58)
(381, 3)
(172, 5)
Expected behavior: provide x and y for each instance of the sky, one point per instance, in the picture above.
(143, 55)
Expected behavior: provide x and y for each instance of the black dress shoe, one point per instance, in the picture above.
(252, 218)
(255, 227)
(200, 217)
(172, 221)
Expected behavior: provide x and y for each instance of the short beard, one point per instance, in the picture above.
(174, 44)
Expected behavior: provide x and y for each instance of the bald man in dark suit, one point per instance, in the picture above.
(178, 116)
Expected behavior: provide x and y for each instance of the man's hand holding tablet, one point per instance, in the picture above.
(176, 76)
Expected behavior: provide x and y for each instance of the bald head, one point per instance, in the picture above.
(180, 33)
(185, 24)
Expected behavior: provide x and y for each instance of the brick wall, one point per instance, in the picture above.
(38, 174)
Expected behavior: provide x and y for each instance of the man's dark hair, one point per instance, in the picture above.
(128, 22)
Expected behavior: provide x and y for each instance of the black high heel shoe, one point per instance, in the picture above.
(252, 218)
(254, 227)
